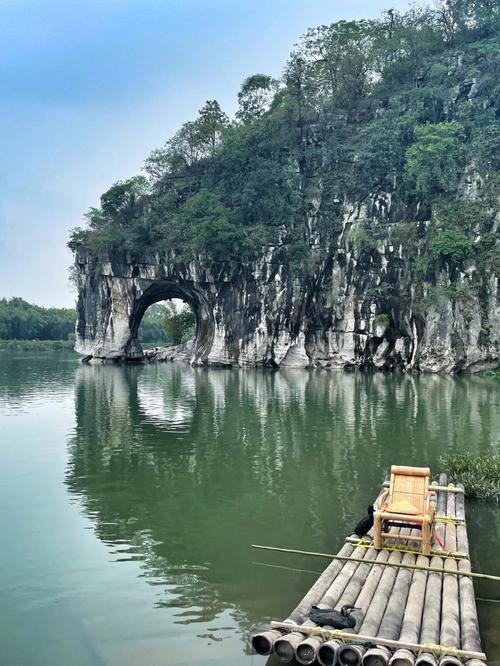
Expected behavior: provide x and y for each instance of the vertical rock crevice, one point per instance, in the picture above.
(353, 308)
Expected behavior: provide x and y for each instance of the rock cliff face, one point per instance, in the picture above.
(351, 305)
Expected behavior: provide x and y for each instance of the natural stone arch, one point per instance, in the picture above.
(113, 294)
(164, 290)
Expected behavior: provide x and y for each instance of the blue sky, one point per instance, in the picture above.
(88, 88)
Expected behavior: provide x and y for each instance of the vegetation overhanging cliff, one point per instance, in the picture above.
(365, 182)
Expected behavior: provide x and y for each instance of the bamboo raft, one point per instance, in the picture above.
(415, 610)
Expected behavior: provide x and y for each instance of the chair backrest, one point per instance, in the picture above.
(409, 490)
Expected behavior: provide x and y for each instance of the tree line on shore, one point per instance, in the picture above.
(23, 321)
(20, 320)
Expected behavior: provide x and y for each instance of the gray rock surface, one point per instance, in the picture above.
(182, 353)
(348, 307)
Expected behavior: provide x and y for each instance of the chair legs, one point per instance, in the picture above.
(377, 530)
(426, 536)
(426, 532)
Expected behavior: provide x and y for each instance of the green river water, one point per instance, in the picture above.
(130, 497)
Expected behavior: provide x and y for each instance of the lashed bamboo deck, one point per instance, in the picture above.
(407, 616)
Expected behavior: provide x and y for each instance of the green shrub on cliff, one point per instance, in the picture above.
(433, 162)
(452, 245)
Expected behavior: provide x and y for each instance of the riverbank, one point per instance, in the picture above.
(37, 345)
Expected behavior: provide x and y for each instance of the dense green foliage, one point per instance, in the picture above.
(24, 326)
(179, 323)
(406, 105)
(152, 326)
(165, 323)
(20, 320)
(433, 160)
(480, 475)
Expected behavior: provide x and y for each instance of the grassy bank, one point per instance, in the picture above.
(479, 474)
(36, 345)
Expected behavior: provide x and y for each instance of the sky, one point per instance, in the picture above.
(89, 87)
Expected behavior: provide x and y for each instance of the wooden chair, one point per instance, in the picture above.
(405, 503)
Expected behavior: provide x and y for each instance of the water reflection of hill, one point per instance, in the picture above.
(183, 468)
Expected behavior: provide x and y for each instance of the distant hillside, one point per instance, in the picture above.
(20, 320)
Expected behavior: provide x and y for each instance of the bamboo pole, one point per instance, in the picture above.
(284, 646)
(441, 497)
(353, 654)
(306, 652)
(410, 630)
(390, 626)
(431, 619)
(263, 642)
(410, 549)
(450, 610)
(347, 655)
(415, 567)
(440, 527)
(348, 636)
(469, 625)
(444, 487)
(349, 596)
(431, 616)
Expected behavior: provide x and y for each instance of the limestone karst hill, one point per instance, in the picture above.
(346, 217)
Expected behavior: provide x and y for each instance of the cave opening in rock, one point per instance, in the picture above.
(167, 323)
(170, 314)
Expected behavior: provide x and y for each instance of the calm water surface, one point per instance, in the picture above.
(131, 495)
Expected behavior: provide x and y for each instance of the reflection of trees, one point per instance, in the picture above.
(184, 468)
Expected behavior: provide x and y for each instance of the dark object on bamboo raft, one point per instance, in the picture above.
(365, 524)
(333, 618)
